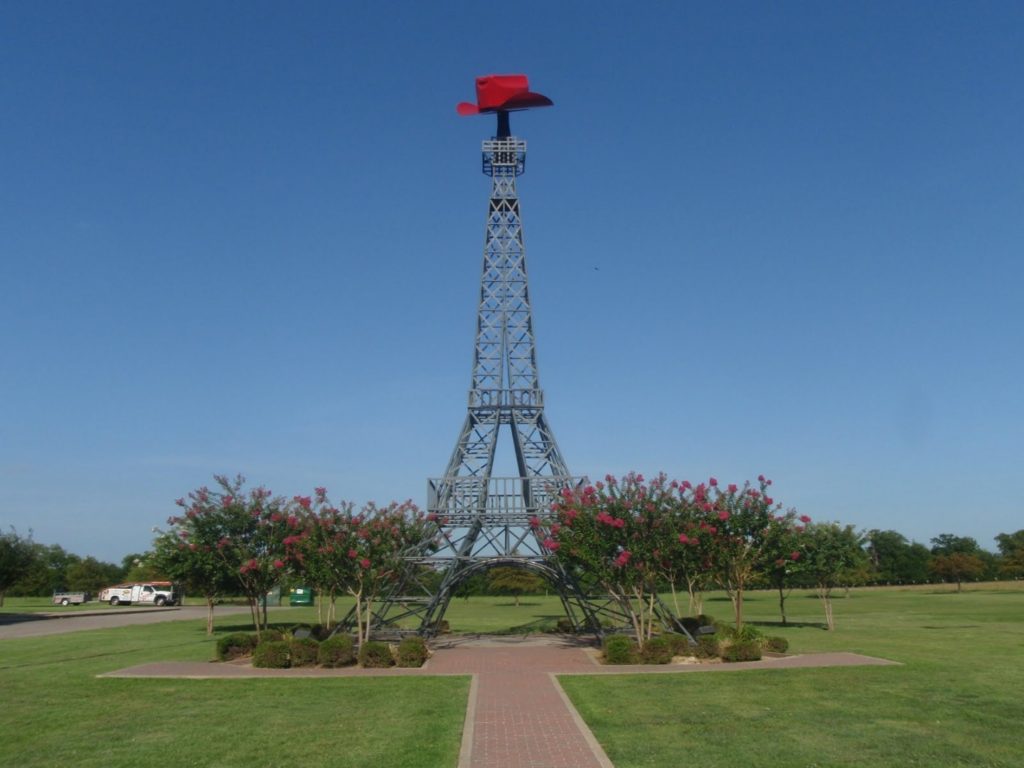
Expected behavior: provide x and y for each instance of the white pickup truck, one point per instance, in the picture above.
(155, 592)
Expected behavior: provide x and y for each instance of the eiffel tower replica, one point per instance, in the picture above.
(485, 521)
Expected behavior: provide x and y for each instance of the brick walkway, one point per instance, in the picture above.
(521, 717)
(517, 715)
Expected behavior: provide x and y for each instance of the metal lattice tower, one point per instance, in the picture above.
(485, 521)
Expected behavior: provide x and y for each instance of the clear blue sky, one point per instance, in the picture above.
(246, 237)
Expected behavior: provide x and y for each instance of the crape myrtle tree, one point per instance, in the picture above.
(686, 556)
(746, 524)
(632, 536)
(313, 550)
(361, 554)
(832, 555)
(242, 530)
(781, 569)
(187, 555)
(617, 532)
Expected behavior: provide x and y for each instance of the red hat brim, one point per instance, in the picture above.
(525, 100)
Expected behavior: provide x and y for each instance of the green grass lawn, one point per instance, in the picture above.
(957, 701)
(56, 712)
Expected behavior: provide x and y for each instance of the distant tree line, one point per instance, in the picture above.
(31, 569)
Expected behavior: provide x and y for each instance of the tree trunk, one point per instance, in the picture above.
(782, 604)
(825, 593)
(209, 614)
(737, 602)
(254, 614)
(675, 600)
(517, 599)
(959, 587)
(2, 596)
(696, 603)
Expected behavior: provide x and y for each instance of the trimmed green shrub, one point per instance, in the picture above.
(375, 654)
(619, 649)
(707, 647)
(271, 636)
(657, 650)
(742, 650)
(680, 644)
(271, 654)
(304, 652)
(337, 651)
(235, 646)
(775, 644)
(412, 652)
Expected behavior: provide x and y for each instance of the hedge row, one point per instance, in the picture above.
(275, 652)
(725, 643)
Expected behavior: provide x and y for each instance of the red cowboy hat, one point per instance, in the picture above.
(502, 93)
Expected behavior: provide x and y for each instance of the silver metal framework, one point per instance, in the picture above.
(484, 521)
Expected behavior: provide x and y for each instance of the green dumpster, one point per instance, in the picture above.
(301, 596)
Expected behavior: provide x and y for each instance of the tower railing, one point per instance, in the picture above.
(506, 398)
(500, 501)
(504, 157)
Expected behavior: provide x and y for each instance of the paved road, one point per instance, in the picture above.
(38, 624)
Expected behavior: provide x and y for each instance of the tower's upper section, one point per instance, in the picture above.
(501, 94)
(503, 155)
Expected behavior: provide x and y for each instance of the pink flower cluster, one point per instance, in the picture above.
(614, 522)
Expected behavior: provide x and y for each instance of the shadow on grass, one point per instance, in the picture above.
(104, 655)
(540, 624)
(17, 618)
(788, 624)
